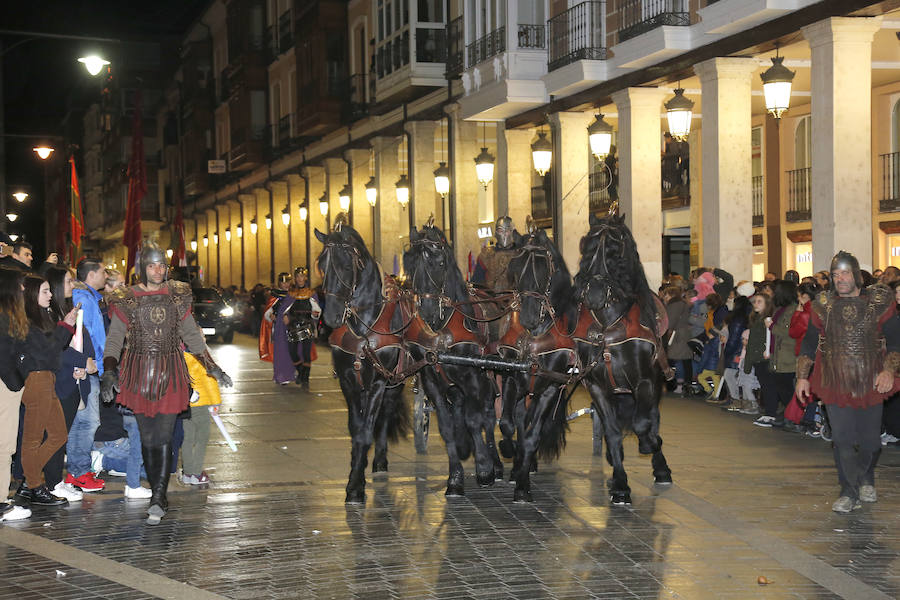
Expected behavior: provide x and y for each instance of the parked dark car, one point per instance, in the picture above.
(214, 316)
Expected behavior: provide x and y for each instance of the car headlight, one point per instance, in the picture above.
(227, 311)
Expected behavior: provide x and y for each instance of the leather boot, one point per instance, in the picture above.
(148, 456)
(162, 466)
(304, 378)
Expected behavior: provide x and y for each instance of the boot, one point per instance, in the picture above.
(159, 482)
(304, 377)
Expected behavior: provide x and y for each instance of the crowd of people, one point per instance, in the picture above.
(61, 337)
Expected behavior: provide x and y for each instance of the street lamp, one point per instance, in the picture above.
(371, 192)
(43, 152)
(402, 186)
(193, 245)
(600, 137)
(323, 205)
(484, 167)
(12, 217)
(304, 212)
(344, 198)
(20, 196)
(169, 253)
(777, 86)
(93, 63)
(216, 238)
(240, 231)
(253, 226)
(14, 236)
(228, 234)
(679, 111)
(269, 221)
(542, 154)
(442, 179)
(206, 241)
(286, 216)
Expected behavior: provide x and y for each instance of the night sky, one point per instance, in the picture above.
(42, 79)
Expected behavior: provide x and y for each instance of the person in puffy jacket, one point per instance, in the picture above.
(678, 335)
(778, 381)
(736, 323)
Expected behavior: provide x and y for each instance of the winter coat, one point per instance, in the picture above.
(799, 325)
(42, 350)
(95, 321)
(10, 350)
(733, 346)
(678, 312)
(756, 345)
(697, 318)
(710, 358)
(783, 359)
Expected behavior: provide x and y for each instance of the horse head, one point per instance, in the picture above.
(540, 276)
(346, 265)
(431, 270)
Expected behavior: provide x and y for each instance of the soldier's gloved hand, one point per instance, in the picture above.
(109, 386)
(221, 376)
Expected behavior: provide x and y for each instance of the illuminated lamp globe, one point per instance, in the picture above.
(371, 192)
(228, 234)
(344, 198)
(777, 81)
(442, 180)
(253, 226)
(43, 152)
(216, 238)
(679, 111)
(286, 216)
(14, 236)
(206, 241)
(193, 245)
(93, 63)
(304, 213)
(269, 221)
(600, 137)
(12, 217)
(20, 196)
(484, 168)
(169, 253)
(402, 186)
(323, 205)
(240, 231)
(542, 154)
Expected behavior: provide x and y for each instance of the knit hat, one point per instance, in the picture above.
(746, 289)
(704, 286)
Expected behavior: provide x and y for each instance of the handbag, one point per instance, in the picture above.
(793, 411)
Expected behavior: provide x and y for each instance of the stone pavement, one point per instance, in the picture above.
(747, 502)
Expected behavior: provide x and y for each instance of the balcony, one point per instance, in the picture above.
(890, 183)
(799, 195)
(355, 94)
(641, 16)
(532, 36)
(576, 34)
(455, 48)
(246, 148)
(759, 196)
(279, 37)
(487, 46)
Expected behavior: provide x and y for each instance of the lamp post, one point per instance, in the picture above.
(777, 81)
(371, 192)
(600, 137)
(344, 198)
(484, 168)
(402, 186)
(442, 180)
(679, 111)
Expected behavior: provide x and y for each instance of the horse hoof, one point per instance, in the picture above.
(454, 491)
(498, 473)
(533, 468)
(379, 467)
(522, 496)
(663, 479)
(485, 479)
(507, 448)
(620, 499)
(355, 498)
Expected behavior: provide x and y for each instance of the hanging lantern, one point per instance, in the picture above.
(227, 234)
(323, 205)
(371, 192)
(304, 212)
(193, 245)
(600, 137)
(442, 179)
(269, 221)
(240, 231)
(286, 216)
(679, 111)
(344, 198)
(216, 238)
(542, 154)
(403, 190)
(206, 241)
(253, 226)
(777, 87)
(484, 167)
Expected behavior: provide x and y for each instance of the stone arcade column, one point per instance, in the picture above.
(841, 85)
(237, 267)
(264, 236)
(315, 177)
(388, 211)
(424, 198)
(571, 165)
(464, 147)
(223, 249)
(252, 275)
(514, 173)
(296, 189)
(280, 231)
(640, 177)
(361, 168)
(335, 179)
(213, 248)
(727, 166)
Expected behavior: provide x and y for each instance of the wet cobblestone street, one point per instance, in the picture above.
(747, 502)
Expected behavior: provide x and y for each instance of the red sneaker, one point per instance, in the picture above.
(87, 482)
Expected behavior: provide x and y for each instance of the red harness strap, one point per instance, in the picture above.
(376, 337)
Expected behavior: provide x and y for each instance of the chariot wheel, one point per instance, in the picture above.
(421, 418)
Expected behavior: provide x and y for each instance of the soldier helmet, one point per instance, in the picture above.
(503, 232)
(846, 261)
(150, 253)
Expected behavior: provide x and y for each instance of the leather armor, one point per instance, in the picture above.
(496, 263)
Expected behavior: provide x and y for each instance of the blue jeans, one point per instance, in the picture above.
(124, 454)
(81, 435)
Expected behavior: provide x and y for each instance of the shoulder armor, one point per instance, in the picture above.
(120, 295)
(179, 288)
(880, 296)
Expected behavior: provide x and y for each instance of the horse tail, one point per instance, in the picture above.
(397, 414)
(553, 431)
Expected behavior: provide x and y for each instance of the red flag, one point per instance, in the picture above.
(179, 259)
(137, 186)
(76, 217)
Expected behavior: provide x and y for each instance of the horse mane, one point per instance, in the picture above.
(455, 285)
(625, 272)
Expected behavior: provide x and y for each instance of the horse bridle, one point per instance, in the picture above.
(441, 296)
(358, 265)
(601, 234)
(531, 250)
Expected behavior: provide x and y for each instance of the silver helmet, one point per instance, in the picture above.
(503, 232)
(150, 253)
(846, 261)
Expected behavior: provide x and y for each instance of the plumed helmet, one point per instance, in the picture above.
(503, 231)
(846, 261)
(150, 253)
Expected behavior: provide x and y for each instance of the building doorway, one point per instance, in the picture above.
(676, 250)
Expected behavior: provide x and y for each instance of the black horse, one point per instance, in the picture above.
(445, 325)
(536, 401)
(618, 342)
(366, 319)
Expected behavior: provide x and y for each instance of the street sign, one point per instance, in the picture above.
(215, 167)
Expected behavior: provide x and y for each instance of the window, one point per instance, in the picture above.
(803, 143)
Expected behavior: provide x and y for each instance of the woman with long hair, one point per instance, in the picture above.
(44, 431)
(13, 329)
(756, 354)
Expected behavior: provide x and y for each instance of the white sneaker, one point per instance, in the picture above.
(116, 473)
(138, 493)
(14, 512)
(887, 438)
(96, 461)
(68, 491)
(764, 421)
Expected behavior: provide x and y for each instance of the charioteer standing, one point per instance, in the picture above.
(149, 372)
(849, 358)
(490, 269)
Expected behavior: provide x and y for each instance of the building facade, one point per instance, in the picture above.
(283, 113)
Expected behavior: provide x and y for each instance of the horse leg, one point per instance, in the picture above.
(379, 460)
(507, 419)
(602, 398)
(531, 427)
(474, 404)
(646, 428)
(448, 429)
(490, 418)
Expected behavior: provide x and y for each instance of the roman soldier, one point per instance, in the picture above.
(149, 372)
(849, 358)
(490, 269)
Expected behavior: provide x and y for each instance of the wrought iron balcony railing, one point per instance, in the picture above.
(890, 183)
(759, 196)
(487, 46)
(799, 195)
(576, 34)
(532, 36)
(641, 16)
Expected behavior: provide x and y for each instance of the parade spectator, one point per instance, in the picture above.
(877, 273)
(771, 276)
(13, 330)
(823, 278)
(890, 275)
(792, 276)
(678, 335)
(736, 323)
(715, 331)
(778, 384)
(44, 430)
(114, 280)
(117, 449)
(257, 302)
(92, 278)
(756, 359)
